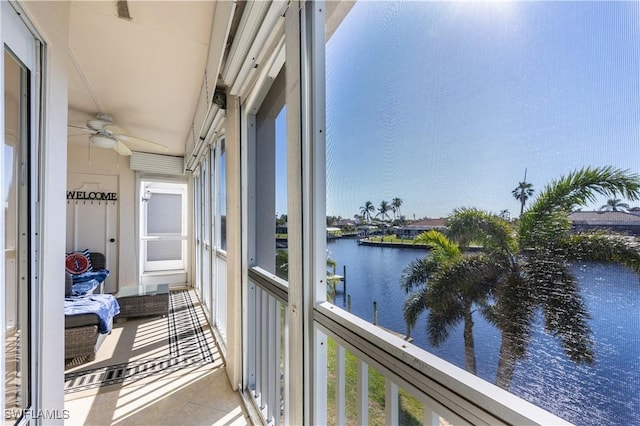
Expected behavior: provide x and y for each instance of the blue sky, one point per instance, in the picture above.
(445, 104)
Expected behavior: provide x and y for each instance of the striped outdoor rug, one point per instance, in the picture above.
(188, 343)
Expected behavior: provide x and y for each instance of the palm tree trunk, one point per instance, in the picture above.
(506, 364)
(469, 345)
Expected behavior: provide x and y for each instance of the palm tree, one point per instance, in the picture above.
(539, 277)
(615, 205)
(542, 280)
(395, 205)
(367, 210)
(530, 268)
(523, 191)
(383, 210)
(448, 285)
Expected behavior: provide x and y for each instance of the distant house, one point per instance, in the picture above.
(635, 211)
(416, 228)
(346, 223)
(619, 222)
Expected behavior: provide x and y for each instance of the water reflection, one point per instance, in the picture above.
(606, 392)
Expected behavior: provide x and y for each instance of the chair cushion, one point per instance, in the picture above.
(71, 321)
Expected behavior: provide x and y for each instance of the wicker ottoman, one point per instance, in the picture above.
(144, 300)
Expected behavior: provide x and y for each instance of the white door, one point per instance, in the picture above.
(163, 227)
(92, 219)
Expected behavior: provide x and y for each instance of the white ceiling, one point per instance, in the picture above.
(146, 73)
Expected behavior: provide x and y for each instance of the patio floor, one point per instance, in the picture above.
(194, 394)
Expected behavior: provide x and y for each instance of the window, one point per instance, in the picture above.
(270, 183)
(164, 229)
(433, 107)
(222, 196)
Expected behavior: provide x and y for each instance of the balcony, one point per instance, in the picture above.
(413, 380)
(146, 373)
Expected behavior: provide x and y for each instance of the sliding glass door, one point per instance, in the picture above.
(17, 223)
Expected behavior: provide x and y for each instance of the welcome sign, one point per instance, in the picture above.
(92, 195)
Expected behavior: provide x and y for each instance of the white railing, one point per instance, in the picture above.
(267, 298)
(447, 394)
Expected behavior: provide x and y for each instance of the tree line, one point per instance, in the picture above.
(368, 211)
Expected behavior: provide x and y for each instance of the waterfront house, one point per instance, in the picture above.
(635, 211)
(206, 81)
(416, 228)
(614, 221)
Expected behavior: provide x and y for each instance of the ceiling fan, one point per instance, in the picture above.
(104, 134)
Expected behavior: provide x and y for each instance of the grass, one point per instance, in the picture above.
(393, 239)
(410, 408)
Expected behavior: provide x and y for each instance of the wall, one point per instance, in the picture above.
(106, 162)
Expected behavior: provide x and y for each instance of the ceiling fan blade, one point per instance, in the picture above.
(122, 149)
(143, 143)
(116, 130)
(86, 130)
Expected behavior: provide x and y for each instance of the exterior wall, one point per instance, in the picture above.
(105, 162)
(632, 230)
(51, 20)
(409, 232)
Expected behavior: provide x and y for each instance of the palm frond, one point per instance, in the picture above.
(583, 186)
(562, 195)
(565, 314)
(605, 247)
(471, 277)
(414, 306)
(536, 231)
(441, 322)
(417, 273)
(442, 248)
(466, 225)
(513, 312)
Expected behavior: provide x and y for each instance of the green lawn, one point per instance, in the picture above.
(394, 240)
(410, 408)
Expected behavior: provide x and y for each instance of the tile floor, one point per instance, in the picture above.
(194, 395)
(202, 397)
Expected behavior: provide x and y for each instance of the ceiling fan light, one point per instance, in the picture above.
(97, 124)
(102, 141)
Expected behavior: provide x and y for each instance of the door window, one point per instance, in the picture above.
(164, 229)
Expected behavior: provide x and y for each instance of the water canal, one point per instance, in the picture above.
(604, 393)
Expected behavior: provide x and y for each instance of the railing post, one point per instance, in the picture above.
(429, 417)
(340, 385)
(344, 278)
(362, 393)
(375, 313)
(391, 403)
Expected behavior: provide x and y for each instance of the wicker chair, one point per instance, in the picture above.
(82, 337)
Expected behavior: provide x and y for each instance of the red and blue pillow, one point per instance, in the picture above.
(78, 262)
